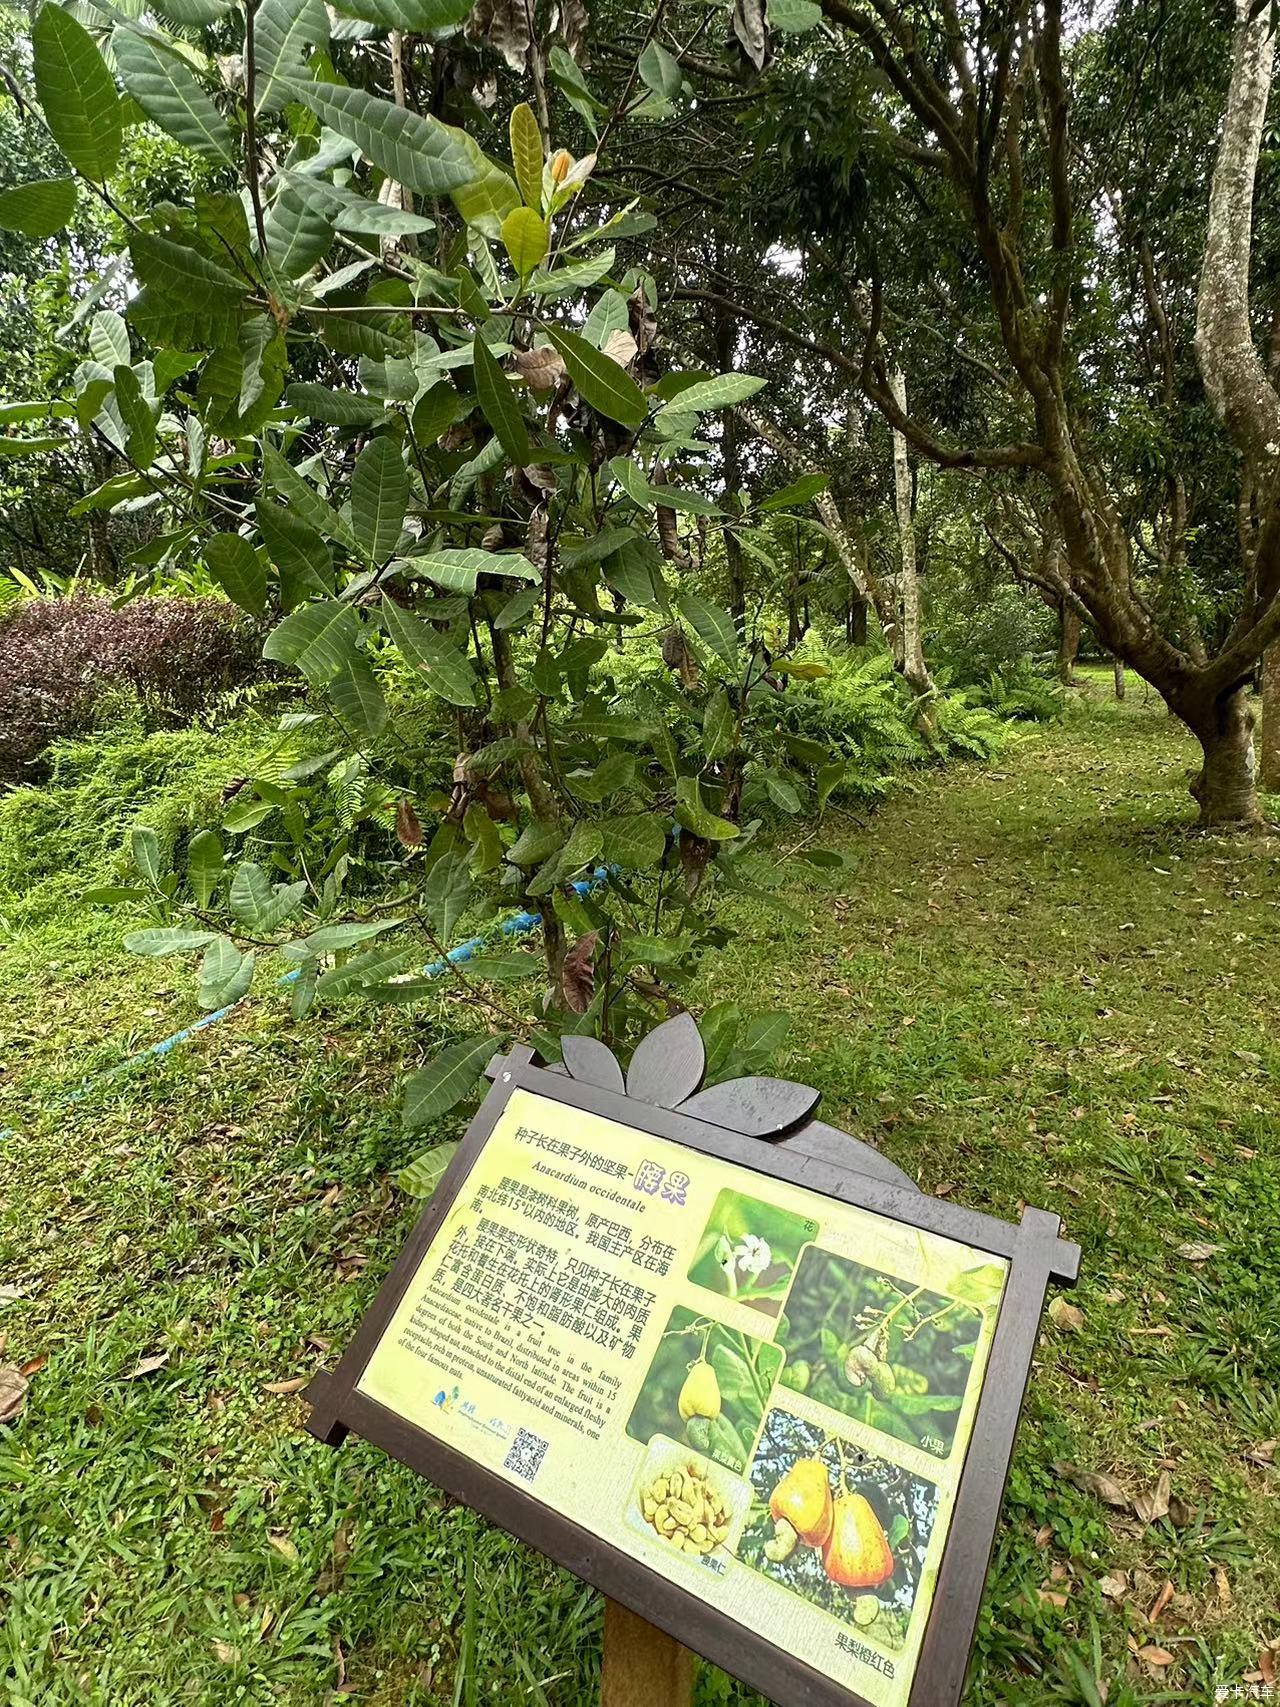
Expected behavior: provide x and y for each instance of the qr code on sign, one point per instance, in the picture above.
(526, 1454)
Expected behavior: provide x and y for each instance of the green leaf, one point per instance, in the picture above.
(504, 968)
(296, 549)
(284, 480)
(498, 401)
(144, 849)
(319, 639)
(436, 411)
(457, 570)
(799, 492)
(447, 1079)
(282, 32)
(610, 314)
(167, 91)
(693, 814)
(447, 671)
(364, 970)
(379, 497)
(156, 941)
(713, 626)
(204, 865)
(828, 780)
(793, 17)
(425, 1172)
(238, 570)
(334, 408)
(358, 700)
(39, 209)
(717, 725)
(135, 411)
(77, 93)
(446, 893)
(525, 234)
(572, 280)
(179, 271)
(413, 149)
(634, 842)
(718, 393)
(661, 71)
(527, 154)
(225, 974)
(604, 385)
(257, 904)
(420, 17)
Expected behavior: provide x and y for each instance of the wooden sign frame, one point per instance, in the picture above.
(763, 1125)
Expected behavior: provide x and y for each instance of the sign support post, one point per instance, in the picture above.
(642, 1666)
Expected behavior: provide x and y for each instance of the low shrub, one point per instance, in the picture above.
(62, 661)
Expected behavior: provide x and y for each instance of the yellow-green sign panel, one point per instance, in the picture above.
(763, 1393)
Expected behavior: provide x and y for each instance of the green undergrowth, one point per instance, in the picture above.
(1029, 985)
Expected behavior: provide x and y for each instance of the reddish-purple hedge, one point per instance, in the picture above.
(59, 657)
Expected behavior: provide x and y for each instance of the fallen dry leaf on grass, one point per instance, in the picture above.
(13, 1392)
(283, 1545)
(1066, 1316)
(1160, 1602)
(294, 1384)
(1093, 1482)
(1198, 1252)
(1155, 1656)
(1263, 1453)
(226, 1653)
(148, 1365)
(1155, 1504)
(1114, 1587)
(1223, 1583)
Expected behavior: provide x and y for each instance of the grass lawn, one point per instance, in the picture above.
(1030, 984)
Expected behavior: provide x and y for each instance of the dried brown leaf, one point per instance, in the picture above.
(1155, 1656)
(578, 974)
(1115, 1587)
(541, 369)
(408, 825)
(294, 1384)
(229, 1655)
(1197, 1251)
(1153, 1505)
(148, 1365)
(1066, 1316)
(1094, 1482)
(13, 1392)
(283, 1545)
(620, 347)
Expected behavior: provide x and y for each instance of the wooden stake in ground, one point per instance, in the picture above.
(642, 1666)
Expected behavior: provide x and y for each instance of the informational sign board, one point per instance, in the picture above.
(763, 1401)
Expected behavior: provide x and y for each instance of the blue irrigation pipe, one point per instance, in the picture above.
(518, 924)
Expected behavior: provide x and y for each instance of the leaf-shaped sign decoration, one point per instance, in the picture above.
(41, 208)
(77, 93)
(412, 148)
(668, 1064)
(757, 1107)
(608, 388)
(828, 1144)
(591, 1062)
(168, 91)
(447, 1079)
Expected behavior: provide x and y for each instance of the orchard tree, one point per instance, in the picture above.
(403, 401)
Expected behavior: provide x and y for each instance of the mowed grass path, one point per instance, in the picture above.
(1030, 986)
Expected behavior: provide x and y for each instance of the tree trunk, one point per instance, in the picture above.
(856, 625)
(732, 468)
(1270, 768)
(908, 651)
(1226, 788)
(1068, 641)
(1117, 665)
